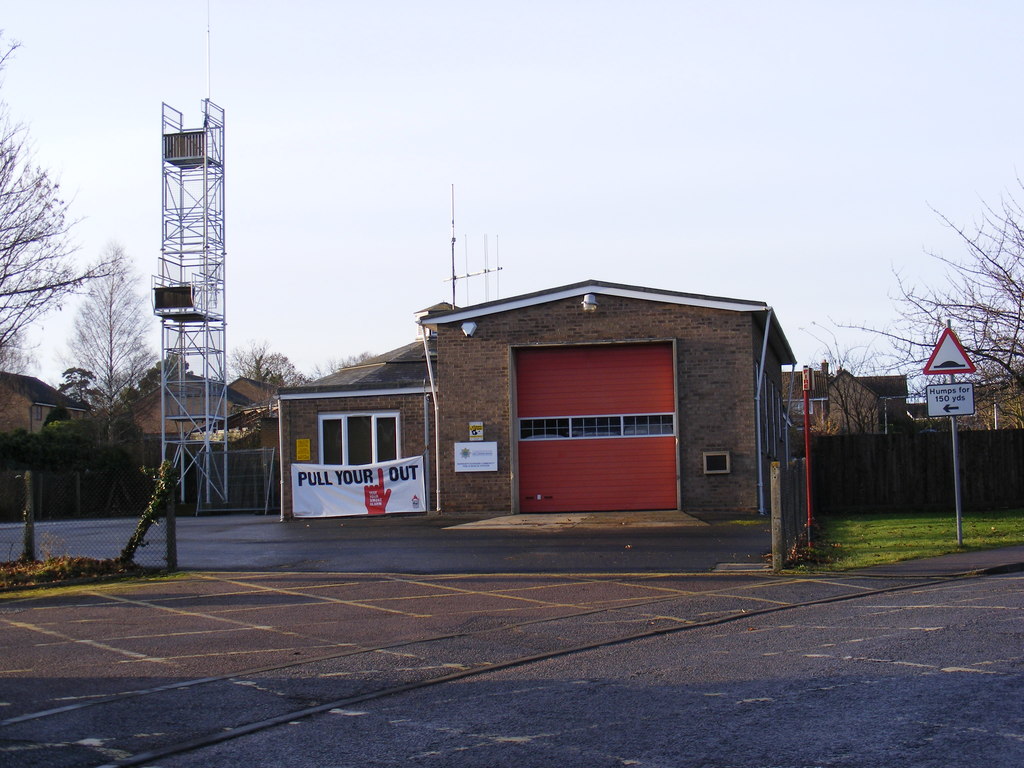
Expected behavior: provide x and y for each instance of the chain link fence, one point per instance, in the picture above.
(79, 514)
(253, 484)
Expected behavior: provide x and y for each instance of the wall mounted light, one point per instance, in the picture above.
(589, 303)
(469, 327)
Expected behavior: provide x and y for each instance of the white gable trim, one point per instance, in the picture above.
(354, 393)
(710, 302)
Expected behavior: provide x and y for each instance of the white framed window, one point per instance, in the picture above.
(576, 427)
(359, 438)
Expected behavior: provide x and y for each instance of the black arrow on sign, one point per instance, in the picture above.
(949, 408)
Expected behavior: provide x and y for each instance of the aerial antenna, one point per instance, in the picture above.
(454, 278)
(209, 87)
(485, 272)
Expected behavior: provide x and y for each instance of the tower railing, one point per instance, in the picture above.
(189, 299)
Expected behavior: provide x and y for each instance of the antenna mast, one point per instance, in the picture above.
(209, 86)
(454, 278)
(486, 271)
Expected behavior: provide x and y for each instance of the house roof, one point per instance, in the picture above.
(793, 385)
(885, 386)
(151, 399)
(759, 309)
(880, 386)
(400, 369)
(39, 392)
(252, 390)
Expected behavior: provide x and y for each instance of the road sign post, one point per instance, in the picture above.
(807, 453)
(951, 400)
(956, 483)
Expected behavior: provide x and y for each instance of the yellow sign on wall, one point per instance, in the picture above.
(476, 430)
(302, 449)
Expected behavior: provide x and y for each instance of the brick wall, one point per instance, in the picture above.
(299, 421)
(16, 412)
(716, 351)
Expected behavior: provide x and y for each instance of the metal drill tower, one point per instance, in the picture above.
(188, 297)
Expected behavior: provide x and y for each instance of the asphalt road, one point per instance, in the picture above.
(719, 670)
(640, 543)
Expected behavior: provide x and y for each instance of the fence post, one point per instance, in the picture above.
(778, 529)
(172, 535)
(28, 551)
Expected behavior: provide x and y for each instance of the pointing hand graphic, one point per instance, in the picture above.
(375, 497)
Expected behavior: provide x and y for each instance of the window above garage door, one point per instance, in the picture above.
(575, 427)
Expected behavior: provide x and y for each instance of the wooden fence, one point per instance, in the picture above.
(864, 472)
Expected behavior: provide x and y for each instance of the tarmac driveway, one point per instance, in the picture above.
(615, 542)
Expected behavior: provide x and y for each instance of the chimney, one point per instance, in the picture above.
(824, 369)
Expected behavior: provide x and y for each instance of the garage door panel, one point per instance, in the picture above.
(595, 380)
(598, 474)
(563, 469)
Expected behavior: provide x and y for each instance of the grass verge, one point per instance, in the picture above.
(61, 570)
(847, 541)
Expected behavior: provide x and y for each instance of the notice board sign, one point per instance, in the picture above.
(476, 457)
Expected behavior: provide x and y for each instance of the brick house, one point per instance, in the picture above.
(241, 394)
(843, 403)
(25, 402)
(592, 396)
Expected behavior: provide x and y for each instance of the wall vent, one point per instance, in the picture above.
(717, 463)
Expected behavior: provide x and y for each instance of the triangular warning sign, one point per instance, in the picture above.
(949, 356)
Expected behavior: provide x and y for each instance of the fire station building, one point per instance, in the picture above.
(582, 398)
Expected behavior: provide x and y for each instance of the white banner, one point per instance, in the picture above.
(331, 490)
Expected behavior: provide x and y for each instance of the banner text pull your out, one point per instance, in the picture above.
(330, 490)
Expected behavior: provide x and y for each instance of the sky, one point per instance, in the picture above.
(796, 153)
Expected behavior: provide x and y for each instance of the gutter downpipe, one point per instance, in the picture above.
(437, 424)
(789, 407)
(280, 453)
(757, 418)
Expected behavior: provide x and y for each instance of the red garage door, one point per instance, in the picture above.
(596, 428)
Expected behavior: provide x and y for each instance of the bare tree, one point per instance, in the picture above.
(15, 357)
(110, 330)
(981, 297)
(37, 270)
(256, 361)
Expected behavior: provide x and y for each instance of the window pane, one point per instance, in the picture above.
(539, 429)
(360, 445)
(655, 424)
(387, 438)
(597, 426)
(330, 441)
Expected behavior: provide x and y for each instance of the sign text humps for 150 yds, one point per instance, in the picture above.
(955, 399)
